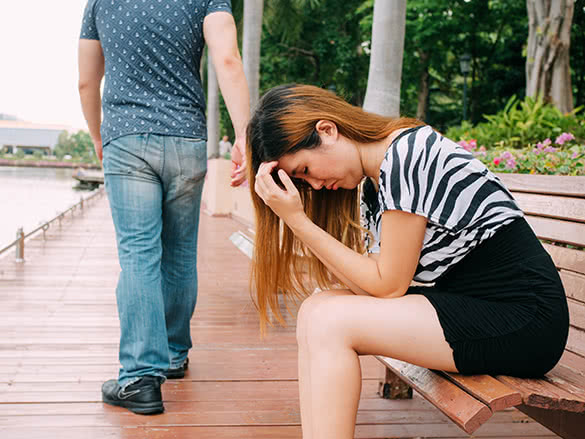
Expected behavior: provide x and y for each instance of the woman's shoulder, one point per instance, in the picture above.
(409, 143)
(402, 134)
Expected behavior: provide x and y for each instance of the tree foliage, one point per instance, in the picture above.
(440, 31)
(327, 43)
(315, 42)
(78, 145)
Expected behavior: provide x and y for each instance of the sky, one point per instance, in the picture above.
(38, 60)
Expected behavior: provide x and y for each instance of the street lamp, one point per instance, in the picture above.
(465, 65)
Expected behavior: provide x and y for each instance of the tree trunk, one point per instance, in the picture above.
(423, 88)
(383, 91)
(547, 60)
(253, 10)
(212, 111)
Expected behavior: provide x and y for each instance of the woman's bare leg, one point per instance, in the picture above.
(334, 327)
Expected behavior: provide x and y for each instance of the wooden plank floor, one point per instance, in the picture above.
(59, 341)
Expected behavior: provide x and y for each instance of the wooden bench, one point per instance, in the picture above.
(555, 208)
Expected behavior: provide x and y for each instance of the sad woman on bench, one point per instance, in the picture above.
(430, 212)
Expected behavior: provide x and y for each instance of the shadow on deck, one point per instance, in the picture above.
(59, 341)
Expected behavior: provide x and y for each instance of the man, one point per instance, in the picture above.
(225, 146)
(154, 157)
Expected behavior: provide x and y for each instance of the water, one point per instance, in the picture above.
(31, 196)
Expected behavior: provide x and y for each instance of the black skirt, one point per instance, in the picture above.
(503, 308)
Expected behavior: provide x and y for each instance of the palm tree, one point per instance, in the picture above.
(547, 62)
(253, 10)
(383, 91)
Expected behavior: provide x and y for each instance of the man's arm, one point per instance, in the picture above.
(91, 72)
(220, 34)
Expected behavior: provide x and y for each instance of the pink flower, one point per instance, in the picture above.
(497, 161)
(543, 144)
(565, 137)
(468, 146)
(549, 149)
(507, 155)
(511, 164)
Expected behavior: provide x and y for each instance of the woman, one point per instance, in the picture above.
(433, 214)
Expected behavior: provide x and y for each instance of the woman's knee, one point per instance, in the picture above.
(319, 319)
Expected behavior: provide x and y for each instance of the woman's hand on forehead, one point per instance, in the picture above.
(284, 202)
(266, 167)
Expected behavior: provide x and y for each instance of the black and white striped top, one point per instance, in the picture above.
(429, 175)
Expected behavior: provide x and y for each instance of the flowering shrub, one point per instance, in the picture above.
(566, 158)
(522, 123)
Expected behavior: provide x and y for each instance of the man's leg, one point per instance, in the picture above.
(183, 177)
(135, 196)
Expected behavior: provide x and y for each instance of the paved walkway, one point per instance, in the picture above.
(59, 341)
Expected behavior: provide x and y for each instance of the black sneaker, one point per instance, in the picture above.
(142, 397)
(178, 372)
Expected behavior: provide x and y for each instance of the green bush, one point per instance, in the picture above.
(522, 123)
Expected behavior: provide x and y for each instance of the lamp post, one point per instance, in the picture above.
(465, 65)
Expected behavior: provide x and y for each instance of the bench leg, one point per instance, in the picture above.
(394, 388)
(567, 425)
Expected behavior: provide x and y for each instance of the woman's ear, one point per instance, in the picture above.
(326, 128)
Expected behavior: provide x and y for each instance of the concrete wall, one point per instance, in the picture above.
(220, 199)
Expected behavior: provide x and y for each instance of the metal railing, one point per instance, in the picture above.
(18, 243)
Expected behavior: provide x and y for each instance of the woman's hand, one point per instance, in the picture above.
(284, 203)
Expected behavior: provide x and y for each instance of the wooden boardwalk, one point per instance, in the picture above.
(59, 341)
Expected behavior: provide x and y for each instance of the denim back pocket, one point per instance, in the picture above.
(192, 154)
(125, 155)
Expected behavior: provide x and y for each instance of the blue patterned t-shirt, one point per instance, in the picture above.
(152, 51)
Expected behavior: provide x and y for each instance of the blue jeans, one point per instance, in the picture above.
(154, 186)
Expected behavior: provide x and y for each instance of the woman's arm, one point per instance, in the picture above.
(340, 276)
(390, 274)
(402, 238)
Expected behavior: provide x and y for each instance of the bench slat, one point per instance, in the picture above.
(462, 408)
(567, 378)
(544, 394)
(243, 242)
(572, 209)
(574, 285)
(576, 313)
(576, 341)
(495, 394)
(574, 362)
(557, 230)
(545, 184)
(567, 258)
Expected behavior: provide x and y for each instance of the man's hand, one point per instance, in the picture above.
(97, 146)
(238, 162)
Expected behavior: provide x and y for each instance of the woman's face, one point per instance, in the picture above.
(332, 165)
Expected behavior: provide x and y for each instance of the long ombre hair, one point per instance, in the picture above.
(285, 122)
